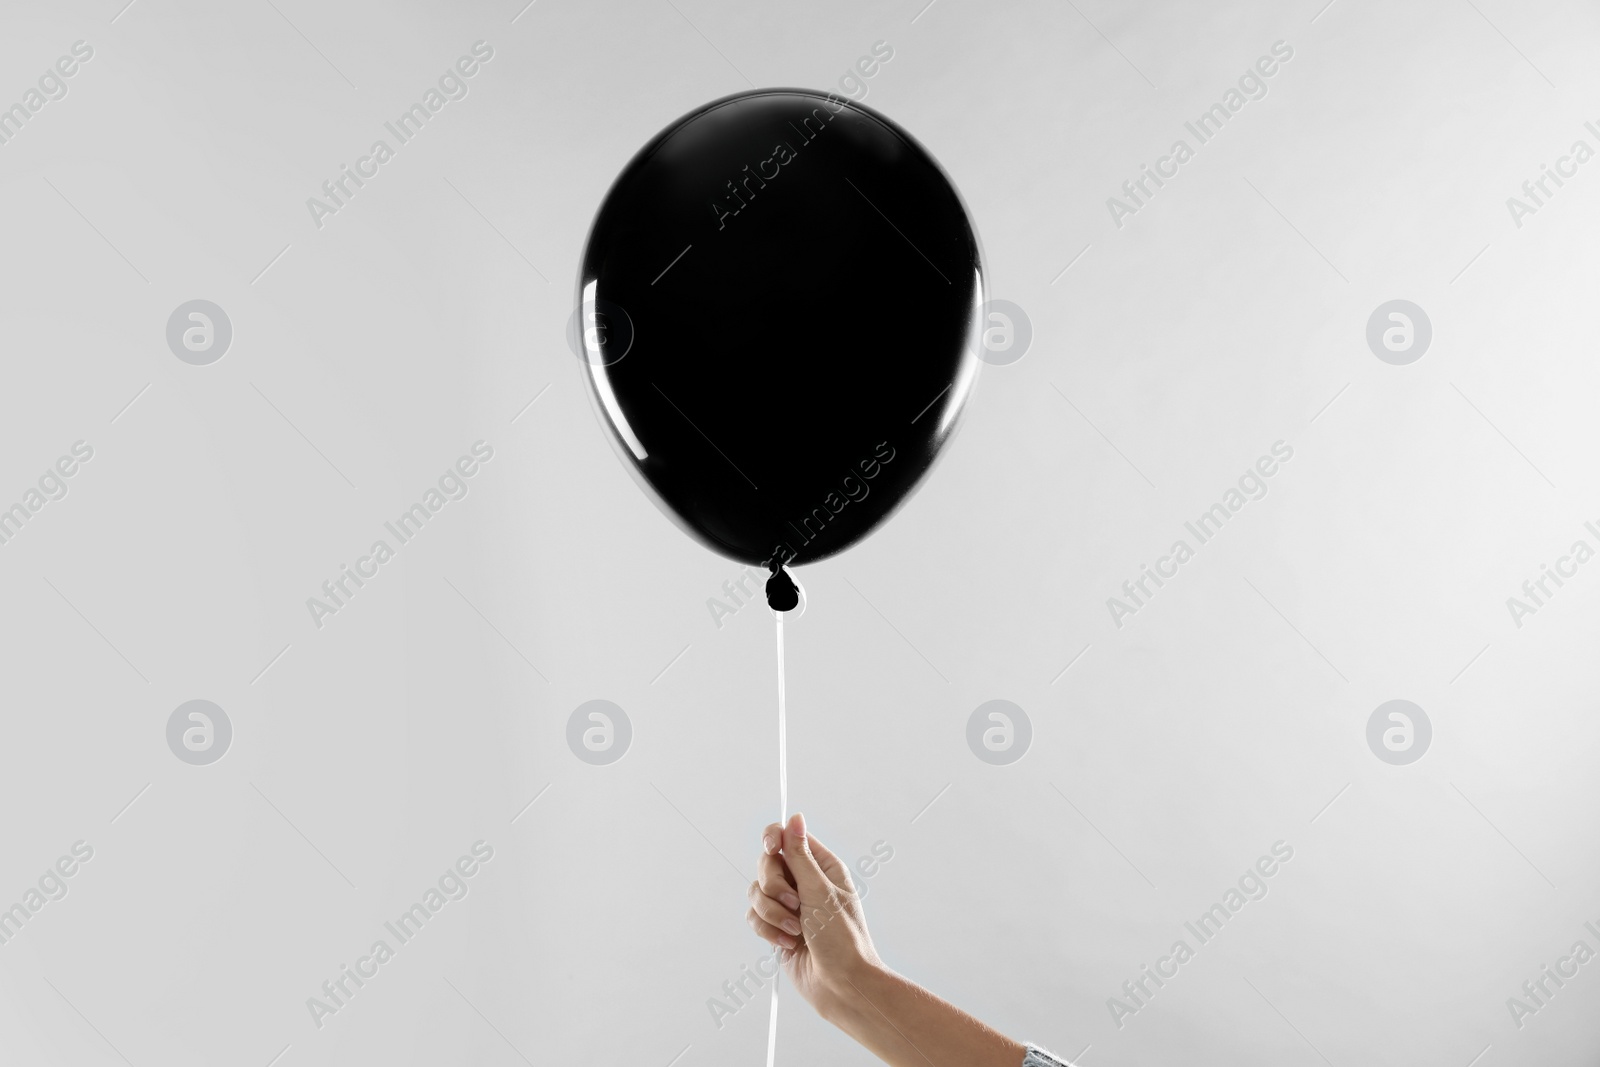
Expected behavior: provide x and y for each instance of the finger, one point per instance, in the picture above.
(808, 875)
(773, 910)
(754, 892)
(831, 865)
(775, 913)
(772, 838)
(776, 882)
(767, 932)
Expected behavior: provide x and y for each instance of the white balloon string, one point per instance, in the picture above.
(783, 759)
(783, 815)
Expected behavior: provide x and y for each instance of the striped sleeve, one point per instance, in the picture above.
(1038, 1057)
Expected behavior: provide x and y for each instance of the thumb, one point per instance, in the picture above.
(808, 875)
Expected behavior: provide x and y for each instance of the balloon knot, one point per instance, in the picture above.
(782, 595)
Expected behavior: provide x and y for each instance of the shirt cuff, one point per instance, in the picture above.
(1038, 1057)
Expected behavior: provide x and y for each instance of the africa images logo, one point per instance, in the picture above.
(783, 153)
(452, 85)
(1251, 886)
(453, 485)
(1252, 85)
(851, 487)
(52, 86)
(452, 885)
(1252, 485)
(52, 486)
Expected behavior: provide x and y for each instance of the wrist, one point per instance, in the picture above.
(850, 999)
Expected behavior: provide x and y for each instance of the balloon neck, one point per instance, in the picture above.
(782, 594)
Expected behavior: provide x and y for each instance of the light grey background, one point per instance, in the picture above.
(1228, 714)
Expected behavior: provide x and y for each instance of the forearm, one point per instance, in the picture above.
(906, 1026)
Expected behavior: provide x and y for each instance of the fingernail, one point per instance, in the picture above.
(768, 845)
(791, 926)
(797, 825)
(790, 901)
(787, 942)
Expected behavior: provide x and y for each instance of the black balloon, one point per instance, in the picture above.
(779, 310)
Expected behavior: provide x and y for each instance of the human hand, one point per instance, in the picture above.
(804, 903)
